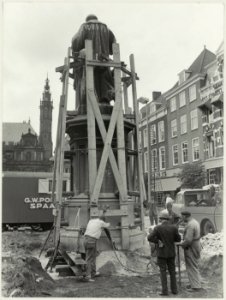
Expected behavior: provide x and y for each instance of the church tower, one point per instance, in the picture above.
(45, 132)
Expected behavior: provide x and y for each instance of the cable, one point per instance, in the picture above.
(124, 267)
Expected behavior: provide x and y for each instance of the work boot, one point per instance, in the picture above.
(88, 279)
(97, 274)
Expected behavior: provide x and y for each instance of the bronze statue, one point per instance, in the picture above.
(102, 39)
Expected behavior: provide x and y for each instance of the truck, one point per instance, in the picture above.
(205, 206)
(26, 199)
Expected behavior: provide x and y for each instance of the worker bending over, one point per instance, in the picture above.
(92, 234)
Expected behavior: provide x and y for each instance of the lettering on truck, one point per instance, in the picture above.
(39, 202)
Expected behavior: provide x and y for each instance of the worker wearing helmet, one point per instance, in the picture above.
(164, 236)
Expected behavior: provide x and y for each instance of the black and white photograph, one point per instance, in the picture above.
(112, 156)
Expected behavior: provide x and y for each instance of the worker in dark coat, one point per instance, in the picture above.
(102, 40)
(164, 236)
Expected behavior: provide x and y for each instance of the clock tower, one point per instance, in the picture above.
(45, 132)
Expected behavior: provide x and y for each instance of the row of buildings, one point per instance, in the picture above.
(185, 125)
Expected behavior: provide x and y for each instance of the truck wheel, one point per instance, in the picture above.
(36, 227)
(208, 227)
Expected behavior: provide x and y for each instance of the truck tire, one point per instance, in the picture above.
(208, 227)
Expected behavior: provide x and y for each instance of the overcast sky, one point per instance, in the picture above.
(165, 38)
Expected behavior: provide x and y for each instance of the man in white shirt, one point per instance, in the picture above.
(92, 234)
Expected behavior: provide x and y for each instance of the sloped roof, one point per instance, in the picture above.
(12, 132)
(204, 58)
(198, 65)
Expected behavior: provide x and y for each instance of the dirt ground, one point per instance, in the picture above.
(23, 275)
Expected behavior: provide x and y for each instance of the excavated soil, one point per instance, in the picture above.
(123, 274)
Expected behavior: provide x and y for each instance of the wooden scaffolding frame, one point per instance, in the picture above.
(94, 119)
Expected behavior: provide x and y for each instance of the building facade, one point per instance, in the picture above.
(155, 113)
(193, 118)
(23, 150)
(211, 106)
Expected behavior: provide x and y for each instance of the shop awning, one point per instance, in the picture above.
(206, 105)
(167, 184)
(213, 163)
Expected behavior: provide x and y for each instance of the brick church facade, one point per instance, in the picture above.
(22, 149)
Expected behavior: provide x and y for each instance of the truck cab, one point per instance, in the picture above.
(204, 206)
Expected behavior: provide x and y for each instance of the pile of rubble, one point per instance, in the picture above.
(24, 277)
(211, 261)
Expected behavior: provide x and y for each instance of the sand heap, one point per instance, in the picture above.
(211, 261)
(125, 264)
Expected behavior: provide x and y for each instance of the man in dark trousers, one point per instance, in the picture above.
(164, 236)
(92, 234)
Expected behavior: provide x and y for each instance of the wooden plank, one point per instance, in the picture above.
(103, 64)
(112, 159)
(120, 123)
(106, 151)
(121, 150)
(91, 126)
(112, 212)
(60, 149)
(139, 163)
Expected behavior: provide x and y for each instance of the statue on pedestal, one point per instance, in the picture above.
(102, 39)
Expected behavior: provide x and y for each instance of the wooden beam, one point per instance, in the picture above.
(91, 126)
(61, 68)
(103, 64)
(60, 150)
(121, 149)
(139, 164)
(120, 123)
(106, 150)
(112, 159)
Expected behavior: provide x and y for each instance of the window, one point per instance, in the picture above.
(153, 134)
(145, 137)
(145, 162)
(154, 160)
(64, 186)
(175, 155)
(174, 127)
(183, 124)
(184, 147)
(195, 149)
(173, 105)
(192, 93)
(182, 99)
(194, 119)
(162, 158)
(161, 131)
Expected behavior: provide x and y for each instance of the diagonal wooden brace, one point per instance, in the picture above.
(107, 151)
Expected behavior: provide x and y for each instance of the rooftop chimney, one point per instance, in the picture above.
(156, 95)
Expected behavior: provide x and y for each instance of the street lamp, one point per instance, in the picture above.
(145, 101)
